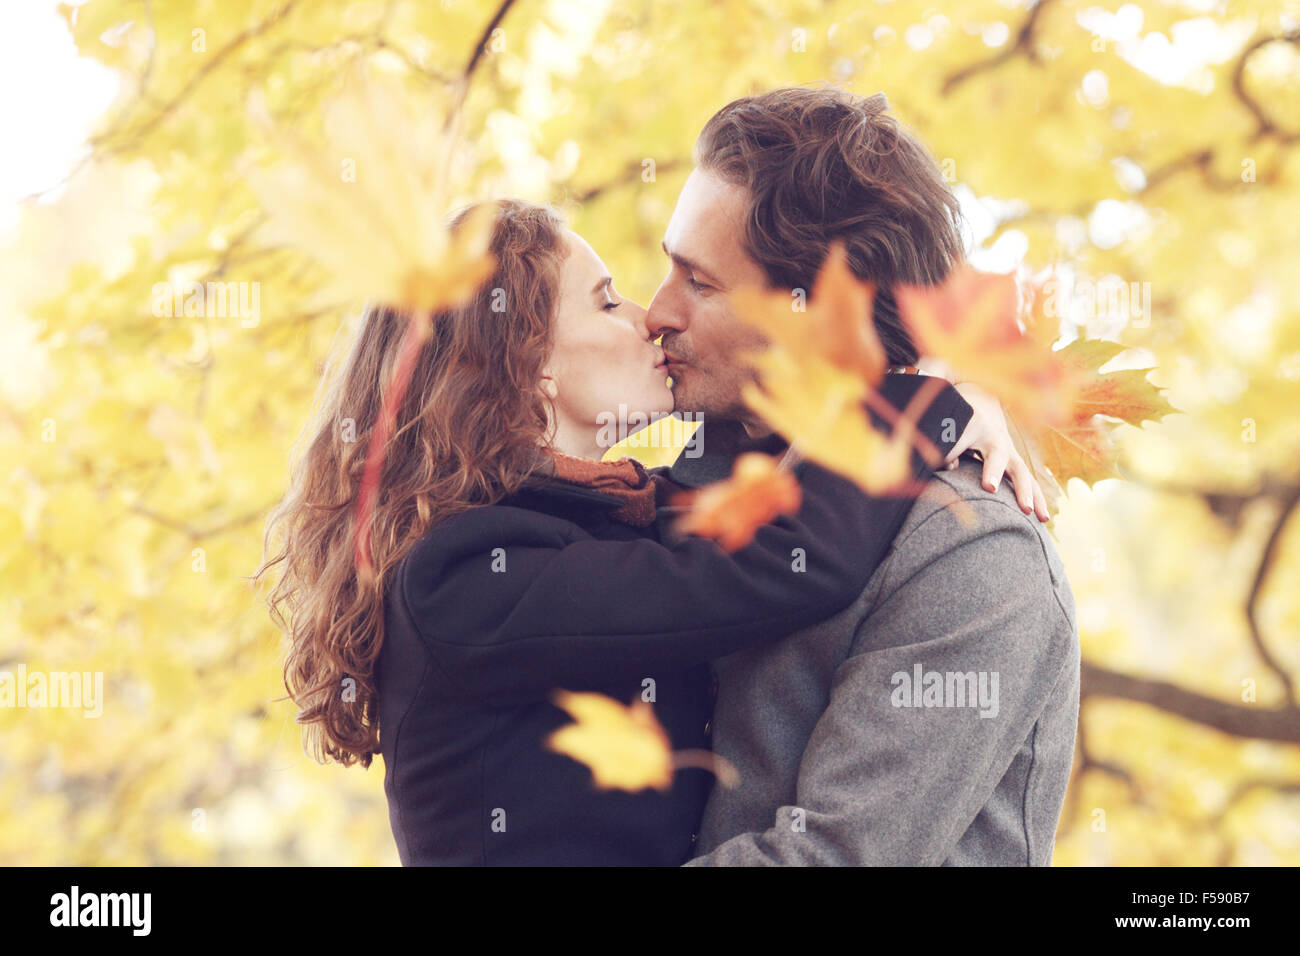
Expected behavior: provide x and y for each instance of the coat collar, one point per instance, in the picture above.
(726, 440)
(547, 488)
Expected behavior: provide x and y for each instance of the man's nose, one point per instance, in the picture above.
(665, 313)
(639, 323)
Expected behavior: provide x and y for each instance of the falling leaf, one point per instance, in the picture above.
(1083, 446)
(836, 326)
(818, 372)
(417, 331)
(625, 747)
(726, 772)
(734, 509)
(970, 322)
(370, 203)
(824, 411)
(1079, 449)
(1125, 394)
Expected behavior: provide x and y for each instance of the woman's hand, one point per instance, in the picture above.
(987, 434)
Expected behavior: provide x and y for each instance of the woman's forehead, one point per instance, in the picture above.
(583, 268)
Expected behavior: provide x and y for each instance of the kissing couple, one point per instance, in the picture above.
(894, 683)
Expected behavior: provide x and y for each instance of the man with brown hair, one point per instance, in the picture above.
(933, 721)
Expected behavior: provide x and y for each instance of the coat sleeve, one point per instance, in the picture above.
(893, 774)
(512, 604)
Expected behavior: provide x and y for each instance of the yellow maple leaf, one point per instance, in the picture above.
(369, 204)
(822, 410)
(836, 326)
(625, 747)
(818, 372)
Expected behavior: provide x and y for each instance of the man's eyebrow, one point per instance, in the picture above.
(605, 281)
(688, 265)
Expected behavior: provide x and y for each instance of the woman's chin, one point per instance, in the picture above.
(639, 420)
(614, 427)
(656, 403)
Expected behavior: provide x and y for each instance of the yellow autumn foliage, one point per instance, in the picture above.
(144, 443)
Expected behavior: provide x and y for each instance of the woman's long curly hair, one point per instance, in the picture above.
(467, 433)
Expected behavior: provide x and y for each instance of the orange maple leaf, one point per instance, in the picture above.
(817, 372)
(734, 509)
(1083, 446)
(971, 322)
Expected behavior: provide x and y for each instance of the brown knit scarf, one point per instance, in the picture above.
(625, 478)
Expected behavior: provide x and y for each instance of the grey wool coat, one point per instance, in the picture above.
(932, 722)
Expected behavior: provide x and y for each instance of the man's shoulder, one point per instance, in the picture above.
(955, 513)
(969, 562)
(959, 495)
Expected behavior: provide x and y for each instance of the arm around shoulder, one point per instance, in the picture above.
(513, 602)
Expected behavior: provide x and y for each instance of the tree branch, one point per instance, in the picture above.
(1024, 44)
(1287, 787)
(481, 47)
(1226, 504)
(200, 75)
(1266, 126)
(1289, 504)
(1281, 725)
(630, 172)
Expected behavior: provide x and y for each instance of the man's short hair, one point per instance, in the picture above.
(823, 164)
